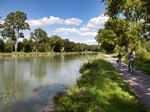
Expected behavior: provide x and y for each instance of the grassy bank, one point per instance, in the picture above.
(142, 65)
(99, 89)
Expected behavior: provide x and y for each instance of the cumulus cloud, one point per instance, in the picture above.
(45, 22)
(75, 31)
(92, 34)
(1, 22)
(90, 29)
(73, 21)
(97, 22)
(53, 20)
(84, 29)
(66, 30)
(87, 41)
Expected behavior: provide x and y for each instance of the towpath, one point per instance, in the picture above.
(138, 81)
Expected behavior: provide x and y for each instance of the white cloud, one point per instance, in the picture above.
(1, 22)
(88, 30)
(73, 21)
(45, 22)
(75, 31)
(66, 30)
(53, 20)
(91, 41)
(86, 41)
(92, 34)
(97, 22)
(84, 29)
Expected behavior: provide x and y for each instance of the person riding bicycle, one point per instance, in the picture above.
(119, 57)
(130, 58)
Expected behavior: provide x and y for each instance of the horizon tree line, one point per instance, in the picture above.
(11, 31)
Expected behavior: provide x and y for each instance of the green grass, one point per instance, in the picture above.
(99, 89)
(143, 66)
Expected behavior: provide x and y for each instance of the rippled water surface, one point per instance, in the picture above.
(26, 84)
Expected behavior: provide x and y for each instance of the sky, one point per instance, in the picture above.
(76, 20)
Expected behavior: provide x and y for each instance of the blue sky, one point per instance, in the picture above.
(77, 20)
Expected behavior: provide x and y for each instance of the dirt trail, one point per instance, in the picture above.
(138, 81)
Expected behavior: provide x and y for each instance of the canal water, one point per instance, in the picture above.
(28, 83)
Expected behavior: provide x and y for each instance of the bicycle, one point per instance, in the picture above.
(131, 67)
(119, 63)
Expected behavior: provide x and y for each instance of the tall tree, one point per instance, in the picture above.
(14, 23)
(38, 36)
(56, 43)
(131, 10)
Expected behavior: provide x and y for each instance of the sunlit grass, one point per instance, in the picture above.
(99, 89)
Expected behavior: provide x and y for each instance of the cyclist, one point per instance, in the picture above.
(119, 58)
(130, 58)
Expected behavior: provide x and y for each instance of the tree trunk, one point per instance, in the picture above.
(53, 48)
(16, 41)
(16, 44)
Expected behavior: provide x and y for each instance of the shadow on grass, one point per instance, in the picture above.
(99, 89)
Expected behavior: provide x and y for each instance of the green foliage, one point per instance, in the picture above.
(14, 23)
(142, 54)
(12, 28)
(9, 46)
(56, 43)
(131, 10)
(58, 95)
(146, 45)
(38, 36)
(99, 89)
(44, 47)
(130, 28)
(2, 45)
(27, 46)
(84, 67)
(120, 49)
(143, 66)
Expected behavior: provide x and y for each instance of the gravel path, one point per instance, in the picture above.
(138, 81)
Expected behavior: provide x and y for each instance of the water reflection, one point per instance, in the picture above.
(26, 84)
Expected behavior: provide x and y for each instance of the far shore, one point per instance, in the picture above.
(23, 54)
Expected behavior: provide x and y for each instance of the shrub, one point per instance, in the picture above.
(84, 67)
(142, 54)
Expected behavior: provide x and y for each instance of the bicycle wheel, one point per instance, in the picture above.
(119, 63)
(131, 68)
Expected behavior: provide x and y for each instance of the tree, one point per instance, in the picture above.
(38, 36)
(107, 39)
(9, 46)
(121, 32)
(56, 43)
(67, 47)
(121, 29)
(44, 47)
(2, 45)
(14, 23)
(27, 45)
(133, 11)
